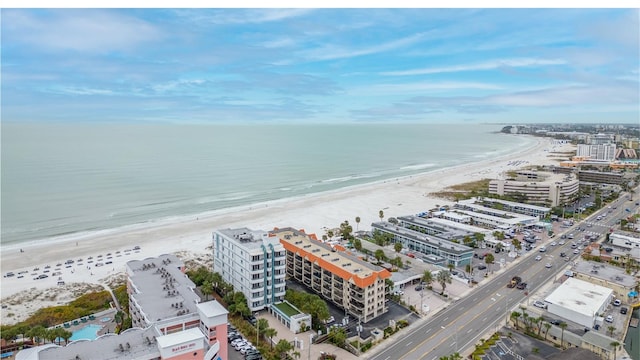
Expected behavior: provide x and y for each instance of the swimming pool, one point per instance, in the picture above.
(89, 332)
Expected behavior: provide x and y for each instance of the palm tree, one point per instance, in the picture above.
(379, 255)
(206, 289)
(443, 278)
(381, 214)
(468, 269)
(489, 259)
(283, 347)
(261, 326)
(611, 329)
(330, 234)
(427, 278)
(614, 345)
(563, 325)
(216, 281)
(515, 316)
(270, 333)
(547, 326)
(397, 246)
(357, 222)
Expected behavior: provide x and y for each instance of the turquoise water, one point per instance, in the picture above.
(61, 179)
(89, 332)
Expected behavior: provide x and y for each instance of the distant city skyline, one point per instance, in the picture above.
(321, 65)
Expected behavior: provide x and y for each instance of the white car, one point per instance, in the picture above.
(539, 304)
(561, 242)
(609, 319)
(553, 244)
(538, 258)
(576, 251)
(547, 265)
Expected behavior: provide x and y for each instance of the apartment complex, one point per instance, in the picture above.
(253, 262)
(354, 285)
(604, 177)
(507, 206)
(437, 250)
(539, 187)
(603, 152)
(168, 321)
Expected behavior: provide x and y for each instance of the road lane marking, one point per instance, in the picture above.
(409, 343)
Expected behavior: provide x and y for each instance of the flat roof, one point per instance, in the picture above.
(605, 272)
(343, 264)
(464, 227)
(211, 308)
(179, 337)
(247, 238)
(580, 296)
(438, 242)
(164, 291)
(506, 202)
(519, 219)
(443, 230)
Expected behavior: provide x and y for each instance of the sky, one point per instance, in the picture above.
(458, 65)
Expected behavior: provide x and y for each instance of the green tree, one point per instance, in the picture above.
(427, 278)
(611, 329)
(468, 269)
(499, 246)
(443, 278)
(270, 333)
(515, 316)
(397, 246)
(547, 326)
(379, 255)
(337, 336)
(357, 244)
(517, 244)
(563, 325)
(206, 289)
(489, 259)
(357, 222)
(381, 215)
(498, 235)
(479, 238)
(346, 230)
(330, 234)
(614, 348)
(282, 348)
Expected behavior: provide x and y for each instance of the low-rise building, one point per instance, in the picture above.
(506, 206)
(580, 301)
(452, 252)
(606, 275)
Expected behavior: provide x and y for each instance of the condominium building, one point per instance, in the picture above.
(506, 206)
(538, 187)
(604, 152)
(168, 321)
(446, 252)
(352, 284)
(253, 262)
(604, 177)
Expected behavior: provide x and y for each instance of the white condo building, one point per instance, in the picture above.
(546, 188)
(604, 152)
(254, 262)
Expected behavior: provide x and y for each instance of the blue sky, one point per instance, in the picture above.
(321, 65)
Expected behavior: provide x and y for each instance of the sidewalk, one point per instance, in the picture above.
(303, 339)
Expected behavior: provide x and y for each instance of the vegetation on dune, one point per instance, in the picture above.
(464, 191)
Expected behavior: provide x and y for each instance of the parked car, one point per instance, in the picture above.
(481, 267)
(609, 319)
(540, 304)
(623, 310)
(555, 322)
(617, 302)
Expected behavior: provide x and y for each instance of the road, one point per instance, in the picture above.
(462, 324)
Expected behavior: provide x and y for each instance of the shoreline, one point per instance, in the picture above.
(190, 236)
(177, 219)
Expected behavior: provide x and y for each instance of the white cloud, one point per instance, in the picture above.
(487, 65)
(278, 43)
(331, 52)
(242, 16)
(425, 86)
(79, 30)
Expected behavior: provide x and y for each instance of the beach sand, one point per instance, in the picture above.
(191, 237)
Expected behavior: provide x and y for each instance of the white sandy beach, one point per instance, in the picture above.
(191, 237)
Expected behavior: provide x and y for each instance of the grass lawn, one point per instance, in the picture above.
(287, 309)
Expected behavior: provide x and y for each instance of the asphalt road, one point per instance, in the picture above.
(461, 324)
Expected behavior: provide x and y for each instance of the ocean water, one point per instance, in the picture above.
(60, 179)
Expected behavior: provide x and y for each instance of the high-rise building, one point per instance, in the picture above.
(603, 152)
(253, 262)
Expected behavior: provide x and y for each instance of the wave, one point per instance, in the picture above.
(224, 198)
(417, 166)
